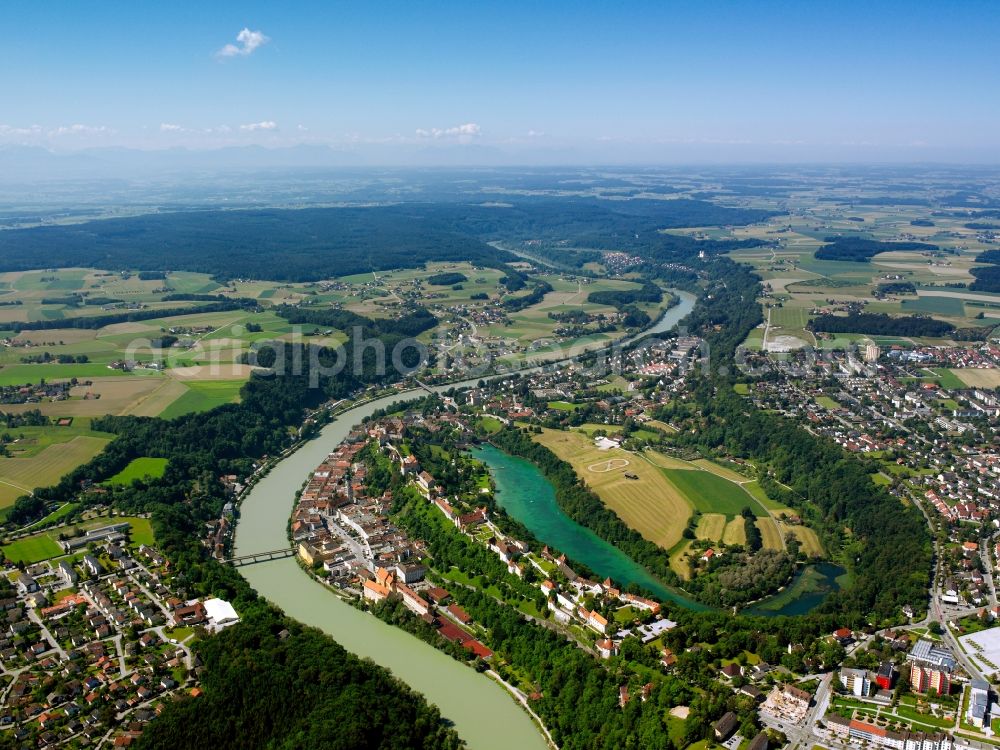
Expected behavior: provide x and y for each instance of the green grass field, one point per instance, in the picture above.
(789, 317)
(44, 546)
(947, 379)
(30, 441)
(710, 493)
(563, 406)
(947, 306)
(139, 468)
(491, 424)
(32, 549)
(761, 497)
(24, 374)
(204, 396)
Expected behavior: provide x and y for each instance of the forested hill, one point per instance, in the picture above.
(318, 243)
(578, 219)
(281, 245)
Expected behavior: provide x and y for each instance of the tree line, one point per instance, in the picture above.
(861, 249)
(92, 322)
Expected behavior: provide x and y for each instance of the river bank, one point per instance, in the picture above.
(482, 712)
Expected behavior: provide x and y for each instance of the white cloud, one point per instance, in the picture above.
(463, 132)
(10, 130)
(169, 127)
(78, 129)
(264, 125)
(247, 42)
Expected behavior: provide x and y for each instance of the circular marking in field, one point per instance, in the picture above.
(609, 465)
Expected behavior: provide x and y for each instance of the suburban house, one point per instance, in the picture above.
(725, 726)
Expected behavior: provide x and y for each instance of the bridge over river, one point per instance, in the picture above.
(258, 557)
(483, 713)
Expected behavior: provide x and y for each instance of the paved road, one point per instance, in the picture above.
(987, 558)
(33, 616)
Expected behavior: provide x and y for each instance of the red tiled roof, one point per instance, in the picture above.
(478, 649)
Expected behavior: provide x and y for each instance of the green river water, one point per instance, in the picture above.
(483, 713)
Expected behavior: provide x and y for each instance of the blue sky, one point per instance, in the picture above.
(631, 81)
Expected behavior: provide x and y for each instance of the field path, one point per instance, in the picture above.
(16, 486)
(648, 503)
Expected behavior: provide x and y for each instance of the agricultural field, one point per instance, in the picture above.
(532, 327)
(710, 493)
(720, 494)
(140, 468)
(735, 532)
(808, 541)
(377, 295)
(649, 504)
(711, 526)
(796, 282)
(978, 378)
(210, 345)
(666, 490)
(55, 456)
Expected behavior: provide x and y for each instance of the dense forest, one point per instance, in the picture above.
(412, 323)
(860, 249)
(987, 277)
(317, 243)
(880, 324)
(268, 682)
(897, 287)
(726, 311)
(281, 245)
(580, 219)
(447, 279)
(619, 298)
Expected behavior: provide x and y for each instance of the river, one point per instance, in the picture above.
(484, 715)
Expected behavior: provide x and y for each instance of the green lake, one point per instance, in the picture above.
(528, 497)
(525, 493)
